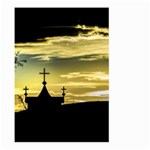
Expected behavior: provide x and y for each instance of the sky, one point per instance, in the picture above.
(72, 44)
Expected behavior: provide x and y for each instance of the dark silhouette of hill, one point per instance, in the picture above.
(80, 122)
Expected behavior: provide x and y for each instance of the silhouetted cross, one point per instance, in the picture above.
(63, 89)
(44, 73)
(26, 89)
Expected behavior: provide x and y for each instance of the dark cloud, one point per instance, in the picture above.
(34, 23)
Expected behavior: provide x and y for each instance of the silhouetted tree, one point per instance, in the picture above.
(19, 62)
(21, 99)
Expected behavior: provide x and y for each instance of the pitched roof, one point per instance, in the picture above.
(44, 94)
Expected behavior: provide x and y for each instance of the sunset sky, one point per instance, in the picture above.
(74, 50)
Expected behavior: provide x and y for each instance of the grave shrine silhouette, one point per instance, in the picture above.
(44, 101)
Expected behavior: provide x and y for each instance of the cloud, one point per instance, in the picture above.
(99, 93)
(19, 107)
(79, 99)
(79, 30)
(18, 104)
(93, 33)
(94, 30)
(94, 42)
(73, 88)
(90, 76)
(94, 57)
(66, 50)
(42, 57)
(84, 84)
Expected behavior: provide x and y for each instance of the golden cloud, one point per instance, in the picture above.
(90, 76)
(94, 42)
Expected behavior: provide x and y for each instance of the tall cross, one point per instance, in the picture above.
(25, 89)
(63, 89)
(44, 73)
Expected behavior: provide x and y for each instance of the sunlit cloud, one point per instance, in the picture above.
(93, 42)
(94, 33)
(21, 91)
(94, 30)
(94, 57)
(91, 76)
(18, 104)
(71, 84)
(80, 30)
(19, 107)
(99, 93)
(81, 49)
(42, 57)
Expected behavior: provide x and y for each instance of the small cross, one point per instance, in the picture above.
(63, 89)
(26, 89)
(44, 73)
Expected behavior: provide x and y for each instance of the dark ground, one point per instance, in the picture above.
(82, 122)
